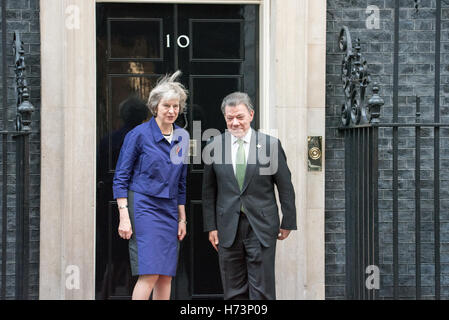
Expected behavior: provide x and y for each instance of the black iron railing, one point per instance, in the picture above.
(361, 189)
(21, 136)
(358, 117)
(360, 125)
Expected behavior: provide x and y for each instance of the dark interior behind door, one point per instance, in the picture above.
(215, 46)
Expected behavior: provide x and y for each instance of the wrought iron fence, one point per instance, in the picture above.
(360, 124)
(358, 116)
(21, 136)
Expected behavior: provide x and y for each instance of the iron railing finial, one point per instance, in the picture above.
(24, 107)
(355, 77)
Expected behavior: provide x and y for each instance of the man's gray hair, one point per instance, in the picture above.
(167, 88)
(236, 98)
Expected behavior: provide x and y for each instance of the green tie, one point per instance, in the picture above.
(240, 164)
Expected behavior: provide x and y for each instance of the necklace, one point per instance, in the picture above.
(168, 134)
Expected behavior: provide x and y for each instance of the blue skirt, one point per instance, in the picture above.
(153, 247)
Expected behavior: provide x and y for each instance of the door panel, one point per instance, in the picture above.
(207, 93)
(136, 39)
(215, 46)
(224, 40)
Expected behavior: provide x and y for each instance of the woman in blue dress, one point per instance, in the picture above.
(150, 188)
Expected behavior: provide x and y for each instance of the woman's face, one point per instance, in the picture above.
(167, 111)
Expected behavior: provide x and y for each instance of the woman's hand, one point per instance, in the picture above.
(182, 223)
(182, 230)
(124, 229)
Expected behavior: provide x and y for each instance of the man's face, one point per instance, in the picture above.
(238, 119)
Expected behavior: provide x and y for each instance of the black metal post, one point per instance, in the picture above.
(359, 276)
(375, 198)
(22, 215)
(436, 188)
(366, 232)
(21, 136)
(395, 154)
(4, 153)
(348, 215)
(4, 209)
(418, 200)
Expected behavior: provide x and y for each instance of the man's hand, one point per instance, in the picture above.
(283, 234)
(213, 238)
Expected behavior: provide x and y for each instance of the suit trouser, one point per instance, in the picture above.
(247, 267)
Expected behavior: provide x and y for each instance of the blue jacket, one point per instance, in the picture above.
(149, 164)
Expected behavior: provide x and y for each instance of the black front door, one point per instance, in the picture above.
(215, 46)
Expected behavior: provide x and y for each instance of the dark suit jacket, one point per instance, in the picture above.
(222, 198)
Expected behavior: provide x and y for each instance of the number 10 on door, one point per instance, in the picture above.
(183, 41)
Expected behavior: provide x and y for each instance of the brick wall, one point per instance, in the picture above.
(22, 16)
(416, 77)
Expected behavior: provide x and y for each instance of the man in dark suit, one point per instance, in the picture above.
(240, 212)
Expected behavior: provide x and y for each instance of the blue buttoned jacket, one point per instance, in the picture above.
(149, 164)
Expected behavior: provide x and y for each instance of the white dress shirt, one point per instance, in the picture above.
(234, 146)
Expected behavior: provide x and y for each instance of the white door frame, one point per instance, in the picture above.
(292, 41)
(68, 147)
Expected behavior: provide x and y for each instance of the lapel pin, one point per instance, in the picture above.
(258, 146)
